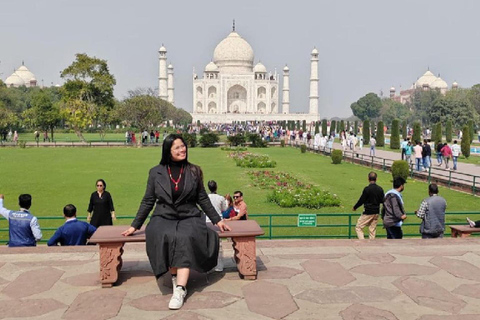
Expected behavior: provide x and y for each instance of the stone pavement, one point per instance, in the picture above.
(406, 279)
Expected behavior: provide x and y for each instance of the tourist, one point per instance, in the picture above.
(373, 143)
(239, 206)
(432, 213)
(127, 137)
(408, 152)
(361, 144)
(438, 149)
(456, 150)
(73, 232)
(45, 136)
(426, 155)
(230, 211)
(371, 198)
(157, 136)
(134, 139)
(446, 154)
(9, 138)
(417, 150)
(393, 210)
(403, 146)
(37, 136)
(100, 208)
(152, 136)
(23, 227)
(15, 137)
(220, 205)
(174, 188)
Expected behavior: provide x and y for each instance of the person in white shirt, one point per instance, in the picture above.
(373, 143)
(220, 204)
(456, 150)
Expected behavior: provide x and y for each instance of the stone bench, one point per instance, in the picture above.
(111, 242)
(463, 231)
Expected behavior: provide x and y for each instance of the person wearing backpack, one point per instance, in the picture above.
(393, 212)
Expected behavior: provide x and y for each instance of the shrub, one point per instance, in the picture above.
(404, 129)
(303, 148)
(317, 129)
(22, 144)
(190, 139)
(380, 134)
(236, 140)
(341, 126)
(437, 137)
(332, 127)
(250, 160)
(256, 140)
(470, 130)
(337, 156)
(356, 128)
(395, 136)
(417, 132)
(366, 130)
(203, 131)
(324, 127)
(234, 149)
(465, 145)
(282, 143)
(304, 125)
(209, 139)
(400, 169)
(448, 131)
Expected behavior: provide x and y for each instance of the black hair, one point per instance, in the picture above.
(398, 182)
(454, 141)
(212, 186)
(25, 201)
(104, 183)
(239, 192)
(167, 146)
(433, 188)
(372, 176)
(69, 210)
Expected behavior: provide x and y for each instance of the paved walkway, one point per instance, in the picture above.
(298, 279)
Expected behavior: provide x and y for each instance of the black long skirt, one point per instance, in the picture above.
(186, 243)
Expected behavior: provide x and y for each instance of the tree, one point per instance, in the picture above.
(474, 97)
(380, 134)
(366, 130)
(448, 131)
(367, 107)
(355, 127)
(437, 138)
(470, 130)
(317, 129)
(465, 145)
(395, 136)
(392, 109)
(324, 127)
(404, 129)
(88, 89)
(43, 114)
(348, 126)
(8, 118)
(332, 127)
(422, 103)
(342, 126)
(304, 125)
(417, 132)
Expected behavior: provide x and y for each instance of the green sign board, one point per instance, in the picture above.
(307, 220)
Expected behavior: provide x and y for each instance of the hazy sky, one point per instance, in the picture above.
(365, 46)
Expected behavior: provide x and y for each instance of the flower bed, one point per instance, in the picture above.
(250, 160)
(289, 192)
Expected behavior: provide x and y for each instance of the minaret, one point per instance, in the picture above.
(171, 97)
(162, 73)
(286, 91)
(314, 82)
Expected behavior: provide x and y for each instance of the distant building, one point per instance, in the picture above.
(21, 77)
(428, 81)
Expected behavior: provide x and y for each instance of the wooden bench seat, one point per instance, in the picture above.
(463, 231)
(111, 242)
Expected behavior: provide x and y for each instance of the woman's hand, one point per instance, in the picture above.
(89, 217)
(129, 232)
(114, 217)
(223, 227)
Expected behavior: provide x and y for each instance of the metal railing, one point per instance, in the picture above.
(285, 226)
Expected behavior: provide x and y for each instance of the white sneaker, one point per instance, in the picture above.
(176, 302)
(471, 223)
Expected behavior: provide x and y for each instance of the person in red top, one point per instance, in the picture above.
(239, 206)
(447, 154)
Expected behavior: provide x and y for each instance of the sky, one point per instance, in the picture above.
(365, 46)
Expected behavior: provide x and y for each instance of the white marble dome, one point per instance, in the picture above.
(25, 74)
(14, 80)
(425, 80)
(286, 68)
(211, 67)
(260, 68)
(234, 54)
(439, 83)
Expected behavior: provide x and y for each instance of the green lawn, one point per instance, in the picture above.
(58, 176)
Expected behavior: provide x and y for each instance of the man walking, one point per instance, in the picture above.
(432, 213)
(371, 198)
(394, 212)
(426, 155)
(373, 143)
(418, 155)
(456, 150)
(403, 146)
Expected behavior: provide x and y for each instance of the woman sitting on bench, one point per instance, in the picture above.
(177, 236)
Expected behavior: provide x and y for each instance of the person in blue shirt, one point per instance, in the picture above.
(73, 232)
(23, 227)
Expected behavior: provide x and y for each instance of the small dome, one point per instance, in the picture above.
(211, 67)
(427, 78)
(14, 80)
(439, 83)
(25, 74)
(162, 49)
(314, 51)
(234, 53)
(454, 84)
(170, 66)
(392, 88)
(286, 68)
(260, 68)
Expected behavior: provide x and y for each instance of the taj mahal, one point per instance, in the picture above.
(232, 88)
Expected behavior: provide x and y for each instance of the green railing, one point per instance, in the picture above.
(284, 226)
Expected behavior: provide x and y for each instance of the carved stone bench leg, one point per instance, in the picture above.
(245, 256)
(110, 263)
